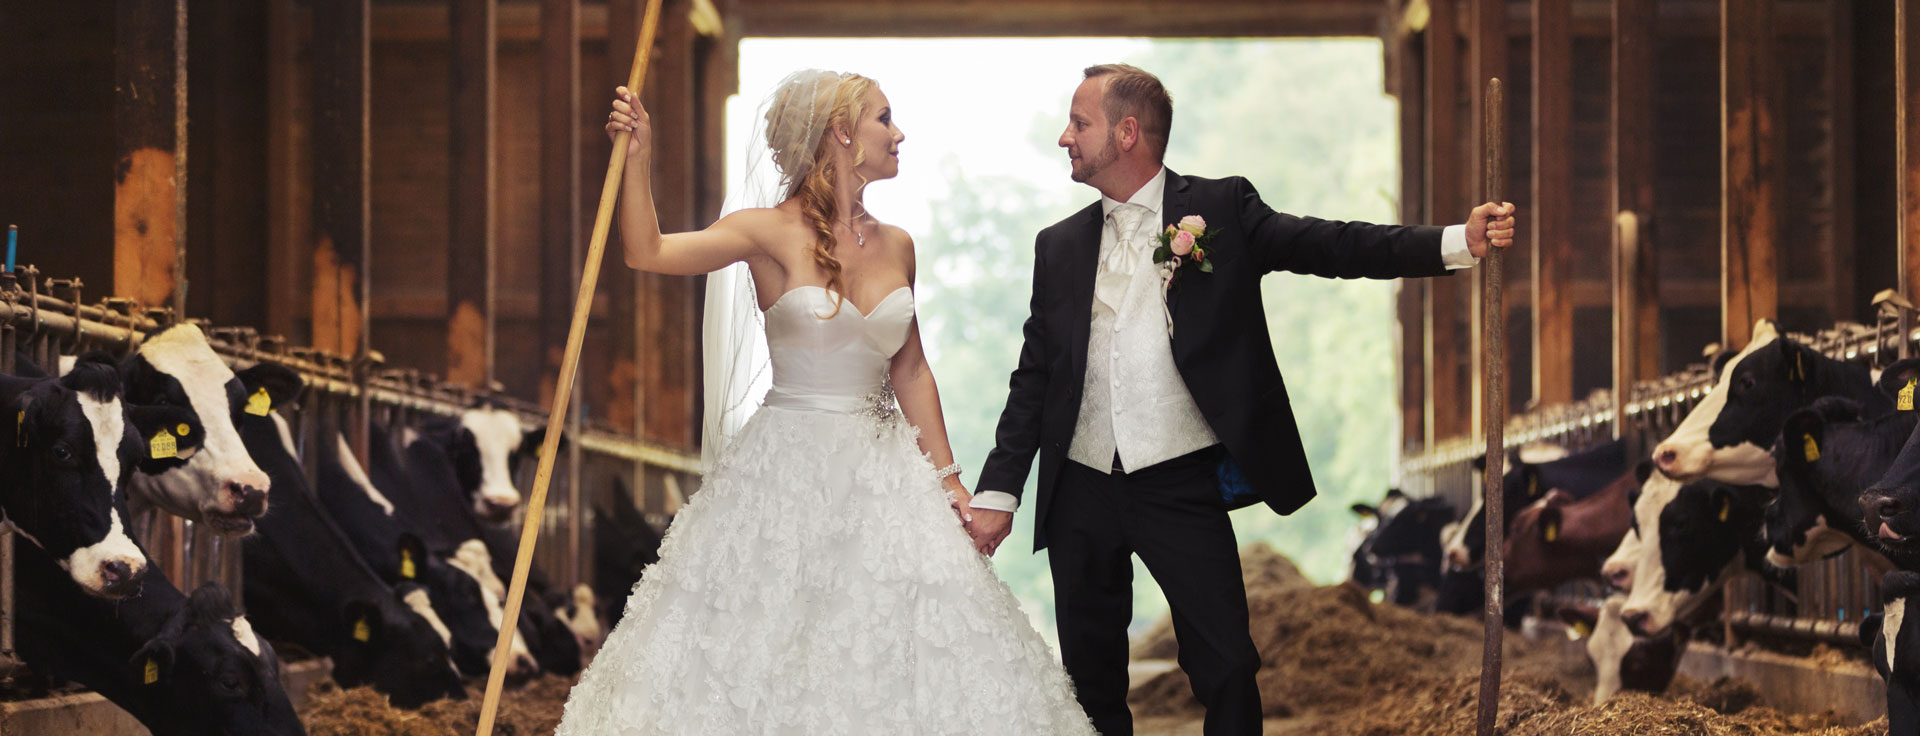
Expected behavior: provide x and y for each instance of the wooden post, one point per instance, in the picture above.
(1635, 293)
(560, 226)
(1551, 214)
(228, 210)
(1410, 294)
(1749, 170)
(1493, 325)
(1445, 348)
(342, 53)
(471, 211)
(1489, 34)
(150, 146)
(289, 177)
(620, 382)
(668, 324)
(1841, 269)
(1907, 144)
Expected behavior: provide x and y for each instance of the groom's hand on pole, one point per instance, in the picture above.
(1490, 224)
(989, 529)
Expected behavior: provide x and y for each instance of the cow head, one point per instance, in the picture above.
(1728, 434)
(1617, 570)
(1894, 639)
(67, 455)
(220, 485)
(1795, 523)
(1622, 661)
(485, 446)
(459, 600)
(1534, 538)
(207, 673)
(579, 615)
(387, 644)
(1697, 539)
(472, 559)
(1520, 485)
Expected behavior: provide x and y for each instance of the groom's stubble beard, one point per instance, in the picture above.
(1086, 168)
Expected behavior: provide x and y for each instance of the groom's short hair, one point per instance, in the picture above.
(1134, 92)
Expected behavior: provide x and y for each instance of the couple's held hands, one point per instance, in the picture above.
(989, 528)
(1490, 223)
(630, 116)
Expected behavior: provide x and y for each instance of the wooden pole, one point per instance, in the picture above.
(563, 390)
(1493, 327)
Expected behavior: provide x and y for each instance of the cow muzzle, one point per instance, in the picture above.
(119, 578)
(1617, 575)
(495, 509)
(1682, 461)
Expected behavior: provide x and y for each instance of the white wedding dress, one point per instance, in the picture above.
(819, 583)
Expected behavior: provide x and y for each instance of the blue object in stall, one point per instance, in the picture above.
(13, 239)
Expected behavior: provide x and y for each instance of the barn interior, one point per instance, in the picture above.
(394, 199)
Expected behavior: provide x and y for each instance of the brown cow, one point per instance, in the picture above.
(1559, 539)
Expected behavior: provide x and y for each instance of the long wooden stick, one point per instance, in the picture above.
(1493, 326)
(563, 388)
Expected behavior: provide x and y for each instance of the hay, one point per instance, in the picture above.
(1353, 668)
(532, 709)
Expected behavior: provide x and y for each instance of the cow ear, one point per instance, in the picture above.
(1797, 361)
(1900, 381)
(1720, 359)
(1531, 475)
(1395, 493)
(530, 442)
(281, 384)
(168, 436)
(1802, 438)
(1643, 471)
(153, 663)
(413, 556)
(1548, 524)
(1361, 509)
(362, 620)
(1480, 462)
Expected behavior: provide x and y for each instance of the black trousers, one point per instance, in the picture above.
(1170, 514)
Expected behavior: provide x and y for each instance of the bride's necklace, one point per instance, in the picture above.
(859, 238)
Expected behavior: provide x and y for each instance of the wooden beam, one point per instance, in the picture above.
(342, 224)
(1636, 294)
(289, 162)
(619, 384)
(1446, 311)
(150, 149)
(1062, 18)
(1842, 267)
(1552, 202)
(668, 330)
(227, 202)
(472, 217)
(1405, 75)
(560, 245)
(1907, 141)
(1488, 32)
(1749, 169)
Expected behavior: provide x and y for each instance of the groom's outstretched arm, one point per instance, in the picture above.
(1309, 245)
(1018, 436)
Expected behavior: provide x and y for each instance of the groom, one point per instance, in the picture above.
(1156, 415)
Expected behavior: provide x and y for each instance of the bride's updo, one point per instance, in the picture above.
(800, 117)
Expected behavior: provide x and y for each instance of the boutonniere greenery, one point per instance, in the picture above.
(1184, 245)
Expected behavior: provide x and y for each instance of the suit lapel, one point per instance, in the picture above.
(1173, 206)
(1083, 259)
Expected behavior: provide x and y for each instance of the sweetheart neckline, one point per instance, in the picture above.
(856, 308)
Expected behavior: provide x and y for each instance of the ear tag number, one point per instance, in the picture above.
(152, 672)
(406, 564)
(1726, 507)
(361, 631)
(259, 403)
(163, 446)
(1811, 448)
(1906, 396)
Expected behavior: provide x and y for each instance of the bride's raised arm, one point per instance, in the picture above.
(679, 254)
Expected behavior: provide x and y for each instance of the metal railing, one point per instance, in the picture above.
(1828, 598)
(44, 319)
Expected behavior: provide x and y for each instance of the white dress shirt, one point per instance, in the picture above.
(1134, 402)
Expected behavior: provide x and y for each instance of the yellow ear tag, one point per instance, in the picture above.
(1553, 532)
(1811, 448)
(259, 403)
(20, 428)
(1580, 630)
(1799, 368)
(1533, 486)
(361, 631)
(1906, 396)
(163, 446)
(1726, 507)
(183, 430)
(152, 673)
(406, 564)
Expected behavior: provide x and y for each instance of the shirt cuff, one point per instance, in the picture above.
(1454, 253)
(995, 501)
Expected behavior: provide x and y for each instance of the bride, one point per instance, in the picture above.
(822, 581)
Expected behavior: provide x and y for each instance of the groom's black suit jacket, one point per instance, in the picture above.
(1220, 342)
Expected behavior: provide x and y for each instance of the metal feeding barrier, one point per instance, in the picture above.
(1827, 599)
(42, 319)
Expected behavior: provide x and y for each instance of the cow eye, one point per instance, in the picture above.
(1745, 383)
(62, 453)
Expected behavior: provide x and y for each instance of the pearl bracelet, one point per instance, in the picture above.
(950, 470)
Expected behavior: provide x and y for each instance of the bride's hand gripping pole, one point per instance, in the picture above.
(563, 389)
(1493, 321)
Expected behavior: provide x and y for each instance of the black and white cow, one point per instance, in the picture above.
(306, 584)
(1894, 638)
(1621, 660)
(1531, 473)
(387, 541)
(67, 456)
(1706, 534)
(220, 486)
(624, 544)
(1826, 457)
(485, 446)
(1729, 435)
(427, 489)
(182, 666)
(1404, 549)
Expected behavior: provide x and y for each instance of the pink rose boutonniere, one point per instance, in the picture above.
(1184, 244)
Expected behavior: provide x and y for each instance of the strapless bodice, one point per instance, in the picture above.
(834, 363)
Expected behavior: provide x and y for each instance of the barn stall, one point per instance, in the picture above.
(1684, 167)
